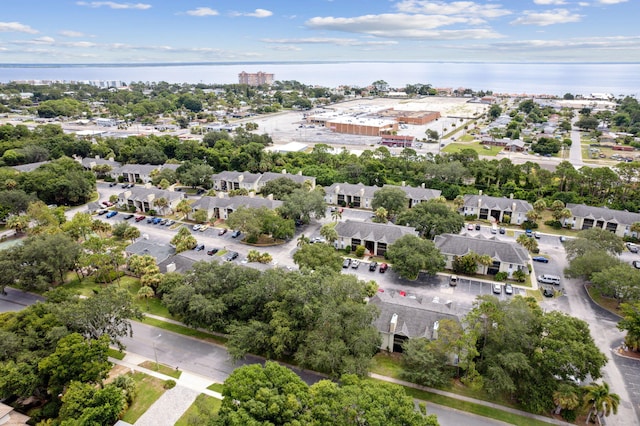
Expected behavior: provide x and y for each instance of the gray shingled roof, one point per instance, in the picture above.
(234, 176)
(182, 264)
(269, 176)
(418, 193)
(209, 203)
(140, 193)
(358, 190)
(143, 169)
(416, 317)
(381, 232)
(603, 213)
(459, 245)
(497, 203)
(158, 251)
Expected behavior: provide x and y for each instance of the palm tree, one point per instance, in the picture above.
(600, 401)
(527, 242)
(18, 223)
(635, 227)
(533, 215)
(566, 398)
(303, 240)
(381, 215)
(161, 203)
(329, 233)
(336, 214)
(485, 260)
(458, 202)
(184, 207)
(564, 213)
(540, 205)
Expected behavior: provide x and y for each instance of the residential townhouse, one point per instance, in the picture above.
(485, 207)
(141, 172)
(231, 180)
(221, 206)
(361, 196)
(375, 237)
(144, 198)
(506, 256)
(617, 221)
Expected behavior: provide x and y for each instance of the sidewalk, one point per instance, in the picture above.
(174, 402)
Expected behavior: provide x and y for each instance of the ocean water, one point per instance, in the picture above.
(530, 78)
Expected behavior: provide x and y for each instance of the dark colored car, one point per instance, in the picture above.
(547, 292)
(232, 255)
(346, 263)
(477, 226)
(541, 259)
(383, 268)
(373, 266)
(157, 220)
(223, 231)
(212, 251)
(127, 217)
(112, 184)
(139, 218)
(199, 247)
(503, 230)
(101, 212)
(636, 264)
(235, 234)
(150, 219)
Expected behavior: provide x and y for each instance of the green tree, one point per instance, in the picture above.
(329, 233)
(183, 240)
(621, 282)
(280, 187)
(248, 220)
(145, 292)
(432, 218)
(600, 401)
(184, 207)
(411, 255)
(18, 223)
(83, 404)
(527, 242)
(394, 200)
(303, 205)
(200, 216)
(630, 323)
(316, 256)
(566, 398)
(592, 240)
(76, 359)
(423, 364)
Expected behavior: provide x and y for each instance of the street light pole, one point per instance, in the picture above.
(155, 351)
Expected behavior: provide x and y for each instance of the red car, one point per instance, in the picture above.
(107, 203)
(383, 268)
(139, 218)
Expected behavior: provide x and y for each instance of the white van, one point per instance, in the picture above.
(549, 279)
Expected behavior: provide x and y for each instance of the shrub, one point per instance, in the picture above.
(528, 224)
(347, 249)
(253, 256)
(360, 251)
(252, 239)
(169, 384)
(506, 218)
(501, 276)
(569, 415)
(556, 224)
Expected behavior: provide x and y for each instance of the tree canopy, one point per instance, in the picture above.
(411, 255)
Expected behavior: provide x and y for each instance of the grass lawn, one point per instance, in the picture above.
(203, 408)
(185, 331)
(222, 252)
(162, 369)
(608, 303)
(152, 305)
(216, 387)
(149, 390)
(477, 147)
(114, 353)
(470, 407)
(387, 364)
(88, 287)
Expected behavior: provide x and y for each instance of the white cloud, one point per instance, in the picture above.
(282, 48)
(39, 40)
(258, 13)
(114, 5)
(612, 1)
(401, 25)
(69, 33)
(81, 44)
(549, 17)
(202, 11)
(549, 2)
(16, 27)
(465, 8)
(329, 40)
(607, 43)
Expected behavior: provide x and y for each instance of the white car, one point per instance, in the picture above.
(196, 227)
(355, 263)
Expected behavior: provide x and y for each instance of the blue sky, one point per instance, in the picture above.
(69, 31)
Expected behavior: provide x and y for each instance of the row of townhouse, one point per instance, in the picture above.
(130, 172)
(221, 206)
(361, 196)
(231, 180)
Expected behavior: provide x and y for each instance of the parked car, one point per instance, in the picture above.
(373, 266)
(536, 235)
(508, 289)
(150, 219)
(529, 233)
(170, 222)
(470, 227)
(636, 264)
(112, 184)
(223, 231)
(497, 289)
(157, 220)
(124, 185)
(107, 203)
(111, 214)
(453, 280)
(541, 259)
(346, 263)
(503, 230)
(383, 268)
(196, 227)
(236, 234)
(127, 217)
(547, 292)
(355, 263)
(632, 247)
(477, 227)
(212, 251)
(139, 218)
(101, 212)
(563, 239)
(203, 228)
(164, 221)
(231, 256)
(199, 247)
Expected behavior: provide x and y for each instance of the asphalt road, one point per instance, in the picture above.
(14, 300)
